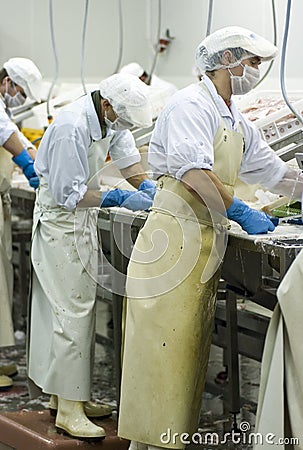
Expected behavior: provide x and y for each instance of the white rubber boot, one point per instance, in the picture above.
(10, 370)
(134, 445)
(91, 409)
(72, 419)
(5, 382)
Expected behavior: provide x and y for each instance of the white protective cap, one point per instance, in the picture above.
(133, 69)
(26, 74)
(128, 96)
(208, 54)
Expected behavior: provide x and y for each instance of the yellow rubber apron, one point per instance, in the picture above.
(65, 263)
(171, 289)
(280, 403)
(6, 268)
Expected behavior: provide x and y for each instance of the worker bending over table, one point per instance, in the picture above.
(19, 78)
(64, 251)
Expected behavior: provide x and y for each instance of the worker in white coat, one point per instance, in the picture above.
(280, 402)
(199, 146)
(19, 79)
(64, 251)
(159, 91)
(152, 80)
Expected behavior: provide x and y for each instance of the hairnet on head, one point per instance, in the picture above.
(241, 42)
(133, 69)
(129, 98)
(25, 74)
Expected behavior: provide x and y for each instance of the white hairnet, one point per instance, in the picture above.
(133, 69)
(241, 42)
(128, 96)
(27, 75)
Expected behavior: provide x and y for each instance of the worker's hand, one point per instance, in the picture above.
(134, 200)
(148, 187)
(251, 220)
(34, 182)
(26, 163)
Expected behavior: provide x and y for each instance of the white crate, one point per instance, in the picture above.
(279, 124)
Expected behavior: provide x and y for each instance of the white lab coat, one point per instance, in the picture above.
(185, 131)
(6, 268)
(160, 92)
(7, 127)
(65, 249)
(158, 83)
(280, 403)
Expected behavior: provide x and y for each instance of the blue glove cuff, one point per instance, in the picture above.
(146, 184)
(237, 207)
(23, 159)
(148, 187)
(134, 200)
(110, 198)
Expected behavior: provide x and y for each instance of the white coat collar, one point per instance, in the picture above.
(3, 106)
(92, 118)
(223, 109)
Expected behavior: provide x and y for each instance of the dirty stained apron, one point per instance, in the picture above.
(280, 403)
(171, 289)
(6, 268)
(65, 264)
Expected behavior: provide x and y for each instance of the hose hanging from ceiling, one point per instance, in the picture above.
(209, 17)
(157, 46)
(118, 65)
(282, 68)
(49, 116)
(83, 46)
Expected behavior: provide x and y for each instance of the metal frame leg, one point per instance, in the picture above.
(232, 354)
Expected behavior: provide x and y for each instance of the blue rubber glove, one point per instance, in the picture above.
(148, 187)
(34, 182)
(251, 220)
(26, 163)
(295, 221)
(134, 200)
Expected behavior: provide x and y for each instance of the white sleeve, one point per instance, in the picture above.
(7, 127)
(25, 142)
(188, 137)
(260, 164)
(291, 185)
(123, 150)
(62, 160)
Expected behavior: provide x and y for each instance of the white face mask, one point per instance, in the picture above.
(245, 83)
(12, 101)
(16, 100)
(119, 124)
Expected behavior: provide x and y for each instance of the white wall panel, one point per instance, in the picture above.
(25, 31)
